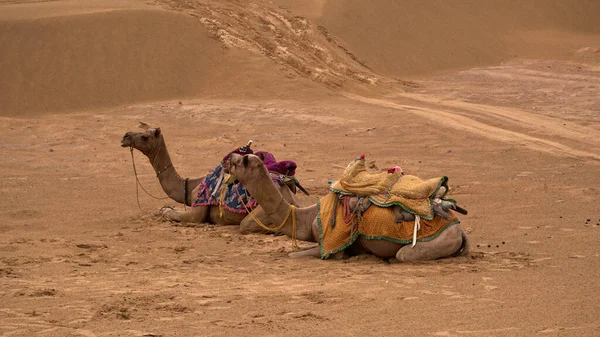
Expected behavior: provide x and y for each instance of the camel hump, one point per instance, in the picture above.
(357, 180)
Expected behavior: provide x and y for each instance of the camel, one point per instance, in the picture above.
(251, 172)
(152, 144)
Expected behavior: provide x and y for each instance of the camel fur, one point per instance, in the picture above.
(251, 172)
(152, 144)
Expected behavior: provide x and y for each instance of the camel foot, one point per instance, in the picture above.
(166, 212)
(309, 247)
(313, 251)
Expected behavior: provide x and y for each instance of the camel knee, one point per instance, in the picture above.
(247, 226)
(250, 224)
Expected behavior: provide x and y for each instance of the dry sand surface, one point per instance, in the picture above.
(500, 96)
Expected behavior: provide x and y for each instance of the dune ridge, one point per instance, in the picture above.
(77, 57)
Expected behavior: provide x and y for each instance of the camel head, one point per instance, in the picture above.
(145, 141)
(246, 168)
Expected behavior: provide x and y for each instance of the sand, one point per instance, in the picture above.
(501, 98)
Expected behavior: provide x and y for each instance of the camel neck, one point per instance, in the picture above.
(265, 191)
(160, 159)
(170, 181)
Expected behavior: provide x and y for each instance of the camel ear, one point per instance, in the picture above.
(245, 161)
(156, 132)
(144, 126)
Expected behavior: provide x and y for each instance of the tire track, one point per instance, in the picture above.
(464, 123)
(549, 125)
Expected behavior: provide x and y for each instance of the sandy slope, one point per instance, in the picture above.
(72, 55)
(100, 58)
(316, 84)
(402, 38)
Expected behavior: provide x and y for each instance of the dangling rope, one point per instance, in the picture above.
(416, 229)
(222, 194)
(291, 210)
(138, 183)
(185, 193)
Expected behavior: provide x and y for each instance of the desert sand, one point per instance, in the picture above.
(500, 96)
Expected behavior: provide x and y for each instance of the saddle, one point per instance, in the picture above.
(215, 190)
(374, 223)
(393, 188)
(282, 172)
(368, 205)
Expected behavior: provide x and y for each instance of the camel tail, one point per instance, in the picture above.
(464, 247)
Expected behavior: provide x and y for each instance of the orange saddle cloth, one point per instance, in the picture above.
(376, 223)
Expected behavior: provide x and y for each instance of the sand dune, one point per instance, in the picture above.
(70, 55)
(400, 38)
(107, 58)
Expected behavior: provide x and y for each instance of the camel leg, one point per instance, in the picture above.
(314, 251)
(445, 245)
(249, 225)
(191, 215)
(308, 247)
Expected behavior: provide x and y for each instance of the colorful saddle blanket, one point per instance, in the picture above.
(284, 167)
(411, 193)
(376, 223)
(233, 197)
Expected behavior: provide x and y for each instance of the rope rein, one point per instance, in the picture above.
(291, 210)
(138, 183)
(185, 193)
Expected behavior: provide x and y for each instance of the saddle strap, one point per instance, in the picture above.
(416, 229)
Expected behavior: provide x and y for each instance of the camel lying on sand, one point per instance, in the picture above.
(152, 144)
(251, 172)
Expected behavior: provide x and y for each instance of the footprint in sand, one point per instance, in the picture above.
(488, 286)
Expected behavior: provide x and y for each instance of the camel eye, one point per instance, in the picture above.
(145, 138)
(245, 161)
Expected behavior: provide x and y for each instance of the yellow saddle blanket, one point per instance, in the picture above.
(376, 223)
(387, 189)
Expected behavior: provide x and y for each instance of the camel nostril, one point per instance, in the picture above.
(126, 141)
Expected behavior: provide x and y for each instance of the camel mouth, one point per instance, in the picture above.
(126, 141)
(229, 163)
